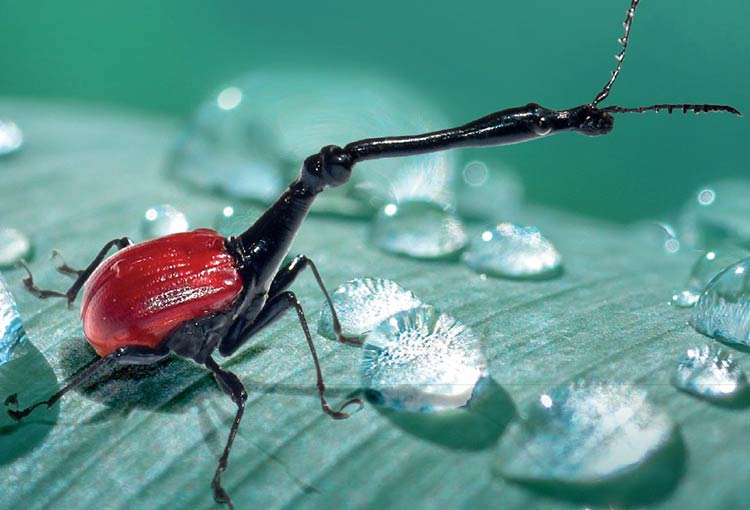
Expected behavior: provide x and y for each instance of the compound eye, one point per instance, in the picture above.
(542, 126)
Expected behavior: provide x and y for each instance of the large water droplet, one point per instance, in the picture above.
(704, 270)
(717, 213)
(422, 230)
(513, 251)
(723, 310)
(11, 137)
(362, 304)
(583, 433)
(249, 139)
(422, 360)
(12, 334)
(710, 373)
(162, 220)
(14, 246)
(488, 193)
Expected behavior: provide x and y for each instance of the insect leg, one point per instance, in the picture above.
(125, 355)
(289, 273)
(232, 386)
(272, 311)
(72, 292)
(64, 268)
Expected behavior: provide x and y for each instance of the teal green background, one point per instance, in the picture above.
(470, 57)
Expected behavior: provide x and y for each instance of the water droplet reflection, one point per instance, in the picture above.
(488, 194)
(513, 251)
(362, 304)
(422, 230)
(422, 360)
(710, 373)
(723, 310)
(248, 140)
(12, 333)
(704, 270)
(162, 220)
(14, 246)
(584, 433)
(11, 137)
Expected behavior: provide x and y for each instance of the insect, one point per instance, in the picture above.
(193, 294)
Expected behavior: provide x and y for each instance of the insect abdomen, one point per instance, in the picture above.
(145, 291)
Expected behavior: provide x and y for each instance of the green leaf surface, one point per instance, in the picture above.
(149, 437)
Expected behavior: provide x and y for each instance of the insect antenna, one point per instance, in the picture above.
(602, 95)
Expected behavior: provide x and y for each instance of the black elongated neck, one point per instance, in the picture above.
(261, 248)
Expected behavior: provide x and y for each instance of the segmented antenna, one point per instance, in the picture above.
(695, 108)
(601, 96)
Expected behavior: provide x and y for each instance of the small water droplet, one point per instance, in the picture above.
(12, 333)
(583, 433)
(704, 270)
(249, 139)
(717, 213)
(422, 230)
(513, 251)
(162, 220)
(488, 194)
(723, 310)
(11, 137)
(362, 304)
(14, 246)
(422, 360)
(710, 373)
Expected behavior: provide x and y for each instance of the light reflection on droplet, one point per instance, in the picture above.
(363, 303)
(14, 246)
(583, 433)
(704, 270)
(162, 220)
(706, 197)
(710, 373)
(513, 251)
(11, 137)
(12, 333)
(229, 98)
(422, 360)
(421, 230)
(723, 310)
(489, 192)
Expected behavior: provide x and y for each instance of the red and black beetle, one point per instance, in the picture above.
(193, 293)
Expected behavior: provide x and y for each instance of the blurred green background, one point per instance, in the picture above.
(469, 57)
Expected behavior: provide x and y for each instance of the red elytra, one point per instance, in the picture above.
(145, 291)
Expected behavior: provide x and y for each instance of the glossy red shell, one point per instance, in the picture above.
(145, 291)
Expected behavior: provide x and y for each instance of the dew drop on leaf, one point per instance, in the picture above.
(723, 310)
(14, 246)
(420, 230)
(362, 304)
(583, 433)
(162, 220)
(12, 333)
(710, 373)
(704, 270)
(11, 137)
(513, 251)
(422, 360)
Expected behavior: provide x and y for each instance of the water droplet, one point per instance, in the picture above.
(513, 251)
(488, 194)
(717, 213)
(723, 310)
(162, 220)
(362, 304)
(422, 360)
(710, 373)
(249, 139)
(12, 334)
(704, 270)
(583, 433)
(11, 137)
(422, 230)
(14, 246)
